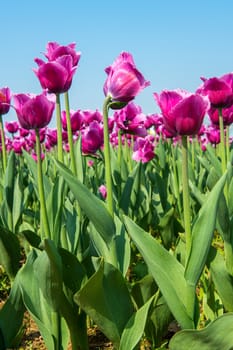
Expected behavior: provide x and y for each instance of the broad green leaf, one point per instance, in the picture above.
(135, 327)
(48, 271)
(202, 233)
(37, 305)
(217, 335)
(11, 317)
(106, 299)
(10, 252)
(92, 206)
(223, 281)
(166, 270)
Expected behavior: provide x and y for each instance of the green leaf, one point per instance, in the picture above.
(223, 281)
(135, 327)
(11, 316)
(93, 207)
(48, 270)
(37, 305)
(166, 270)
(202, 233)
(10, 252)
(217, 335)
(106, 299)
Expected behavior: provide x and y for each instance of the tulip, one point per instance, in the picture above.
(56, 76)
(183, 112)
(76, 120)
(12, 127)
(92, 138)
(144, 149)
(55, 50)
(5, 100)
(124, 81)
(33, 111)
(218, 90)
(227, 115)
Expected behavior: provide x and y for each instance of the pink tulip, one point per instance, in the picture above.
(227, 114)
(33, 111)
(12, 127)
(55, 50)
(92, 138)
(144, 149)
(56, 76)
(103, 191)
(76, 120)
(124, 81)
(218, 90)
(183, 112)
(5, 100)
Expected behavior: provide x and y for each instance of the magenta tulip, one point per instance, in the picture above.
(56, 76)
(183, 112)
(5, 100)
(144, 149)
(76, 120)
(227, 115)
(12, 127)
(33, 111)
(124, 81)
(55, 50)
(218, 90)
(92, 138)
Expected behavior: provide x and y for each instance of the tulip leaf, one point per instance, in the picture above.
(92, 206)
(217, 335)
(165, 269)
(10, 252)
(135, 327)
(202, 233)
(106, 299)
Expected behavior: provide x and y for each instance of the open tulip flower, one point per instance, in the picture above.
(183, 112)
(55, 50)
(5, 100)
(33, 111)
(218, 90)
(124, 81)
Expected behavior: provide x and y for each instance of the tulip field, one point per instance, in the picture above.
(115, 219)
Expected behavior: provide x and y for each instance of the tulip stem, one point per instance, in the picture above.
(186, 202)
(222, 141)
(45, 233)
(59, 129)
(4, 155)
(107, 159)
(70, 135)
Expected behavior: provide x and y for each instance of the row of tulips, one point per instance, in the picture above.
(125, 219)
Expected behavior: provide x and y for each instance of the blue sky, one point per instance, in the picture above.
(173, 43)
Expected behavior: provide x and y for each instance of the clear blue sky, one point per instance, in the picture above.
(173, 43)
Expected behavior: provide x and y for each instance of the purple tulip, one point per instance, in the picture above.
(213, 135)
(92, 138)
(12, 127)
(5, 100)
(76, 120)
(144, 149)
(131, 120)
(33, 111)
(56, 76)
(218, 90)
(227, 115)
(55, 50)
(183, 112)
(124, 81)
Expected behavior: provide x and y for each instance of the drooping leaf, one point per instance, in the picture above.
(10, 252)
(217, 335)
(166, 270)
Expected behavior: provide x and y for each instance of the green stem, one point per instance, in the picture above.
(4, 155)
(44, 216)
(56, 326)
(59, 129)
(70, 134)
(107, 159)
(176, 180)
(191, 290)
(222, 141)
(186, 203)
